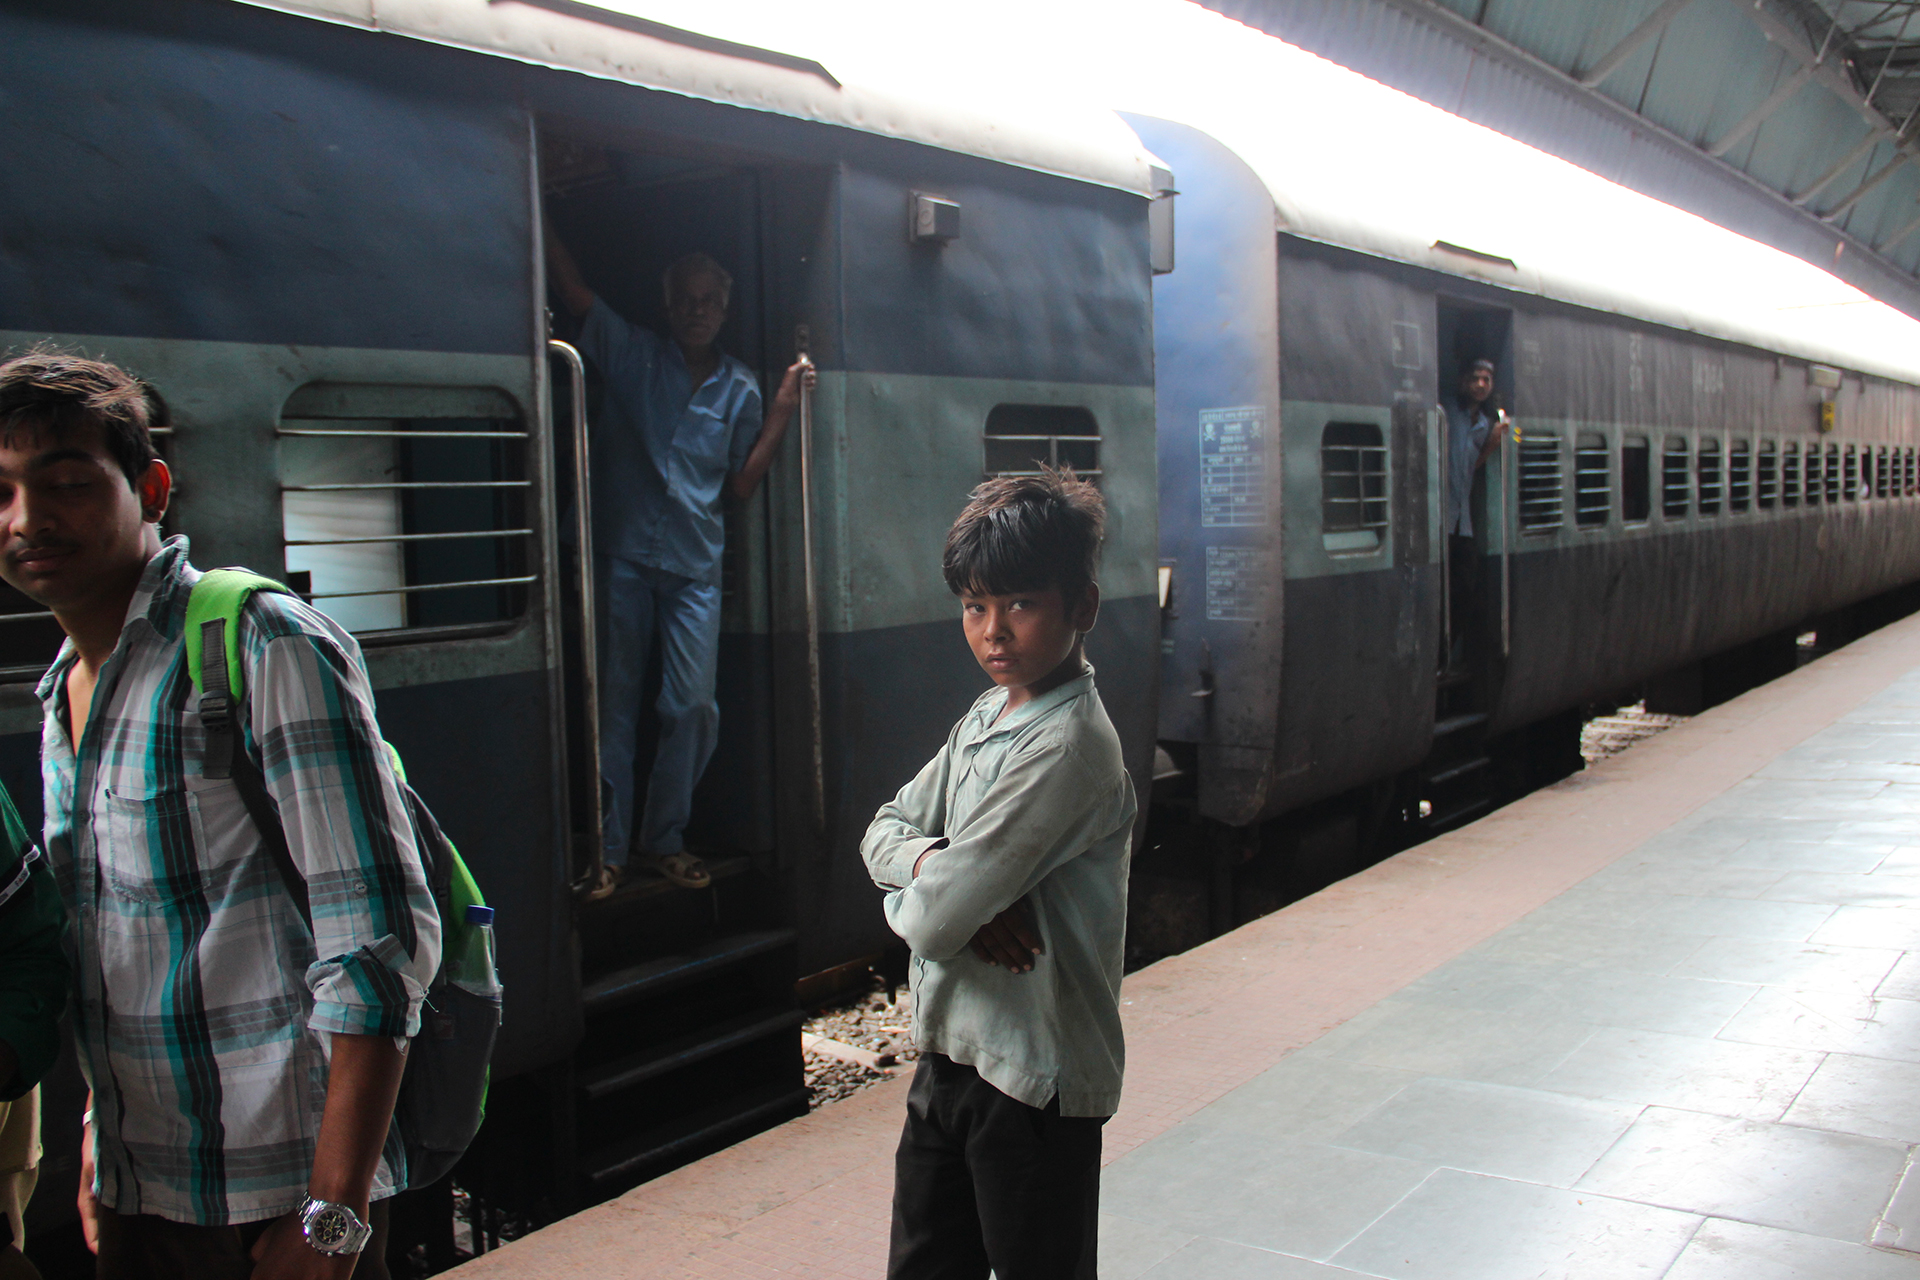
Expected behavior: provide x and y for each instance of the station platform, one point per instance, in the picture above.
(1662, 1019)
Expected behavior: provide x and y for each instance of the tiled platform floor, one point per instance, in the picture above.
(1660, 1020)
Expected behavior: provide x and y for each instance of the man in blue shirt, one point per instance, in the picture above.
(1474, 424)
(680, 422)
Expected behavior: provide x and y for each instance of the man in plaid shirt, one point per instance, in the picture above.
(243, 1066)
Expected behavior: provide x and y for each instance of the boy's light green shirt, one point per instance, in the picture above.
(1037, 806)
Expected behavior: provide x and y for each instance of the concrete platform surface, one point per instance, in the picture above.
(1662, 1019)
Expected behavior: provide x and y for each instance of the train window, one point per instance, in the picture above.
(1912, 479)
(1882, 476)
(1676, 486)
(406, 508)
(1353, 487)
(1790, 474)
(1767, 475)
(1592, 483)
(1636, 479)
(1833, 471)
(1542, 489)
(1739, 475)
(1020, 437)
(1851, 488)
(1707, 463)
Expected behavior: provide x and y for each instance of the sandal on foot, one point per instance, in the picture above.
(683, 869)
(606, 884)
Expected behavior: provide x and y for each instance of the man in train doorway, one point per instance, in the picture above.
(680, 423)
(1475, 422)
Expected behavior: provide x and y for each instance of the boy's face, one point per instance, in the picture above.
(71, 527)
(1022, 638)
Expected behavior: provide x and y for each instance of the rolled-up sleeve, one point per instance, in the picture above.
(375, 927)
(1046, 806)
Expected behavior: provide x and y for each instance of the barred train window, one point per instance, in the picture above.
(1676, 487)
(1882, 481)
(406, 508)
(1768, 489)
(1790, 475)
(1852, 488)
(1636, 479)
(1592, 483)
(1833, 471)
(1708, 459)
(1911, 479)
(1353, 487)
(1542, 490)
(1739, 475)
(1019, 437)
(1815, 487)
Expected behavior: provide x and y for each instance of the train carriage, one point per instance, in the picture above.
(1688, 491)
(315, 226)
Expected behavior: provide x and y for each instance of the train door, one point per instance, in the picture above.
(1457, 782)
(691, 1036)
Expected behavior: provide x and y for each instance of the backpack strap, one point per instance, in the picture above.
(213, 662)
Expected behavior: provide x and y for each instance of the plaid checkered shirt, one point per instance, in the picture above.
(205, 1001)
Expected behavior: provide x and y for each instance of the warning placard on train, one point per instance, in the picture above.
(1233, 467)
(1236, 583)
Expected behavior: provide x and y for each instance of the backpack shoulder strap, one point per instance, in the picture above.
(213, 663)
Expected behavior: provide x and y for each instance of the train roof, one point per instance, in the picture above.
(1061, 138)
(1400, 231)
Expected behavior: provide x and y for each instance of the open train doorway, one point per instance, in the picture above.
(660, 281)
(1475, 374)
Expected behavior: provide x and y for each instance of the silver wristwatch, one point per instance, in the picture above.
(332, 1229)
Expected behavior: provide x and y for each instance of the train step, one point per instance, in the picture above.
(1459, 816)
(1458, 724)
(1458, 771)
(708, 1128)
(697, 1046)
(638, 982)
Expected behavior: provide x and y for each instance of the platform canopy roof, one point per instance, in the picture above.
(1793, 122)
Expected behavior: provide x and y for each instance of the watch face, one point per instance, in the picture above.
(329, 1228)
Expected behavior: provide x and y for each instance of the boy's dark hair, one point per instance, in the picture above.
(1026, 533)
(54, 392)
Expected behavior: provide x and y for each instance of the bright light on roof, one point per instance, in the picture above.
(1328, 129)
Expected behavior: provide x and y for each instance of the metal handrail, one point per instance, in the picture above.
(583, 542)
(408, 484)
(403, 435)
(40, 615)
(409, 588)
(1508, 510)
(408, 537)
(812, 596)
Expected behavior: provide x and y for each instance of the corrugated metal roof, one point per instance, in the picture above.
(1788, 121)
(1086, 143)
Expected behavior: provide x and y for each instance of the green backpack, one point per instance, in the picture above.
(443, 1096)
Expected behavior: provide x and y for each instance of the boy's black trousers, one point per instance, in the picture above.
(981, 1181)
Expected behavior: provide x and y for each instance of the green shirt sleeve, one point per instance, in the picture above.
(33, 963)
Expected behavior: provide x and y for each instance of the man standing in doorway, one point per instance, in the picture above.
(680, 422)
(1474, 424)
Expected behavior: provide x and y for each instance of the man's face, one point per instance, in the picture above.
(696, 308)
(1022, 637)
(71, 528)
(1478, 384)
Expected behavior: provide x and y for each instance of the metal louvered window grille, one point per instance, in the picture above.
(1676, 479)
(1815, 488)
(1852, 486)
(1739, 475)
(1790, 475)
(1707, 460)
(1353, 487)
(1542, 488)
(1910, 471)
(407, 509)
(1020, 437)
(1882, 475)
(1592, 480)
(1833, 472)
(1767, 475)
